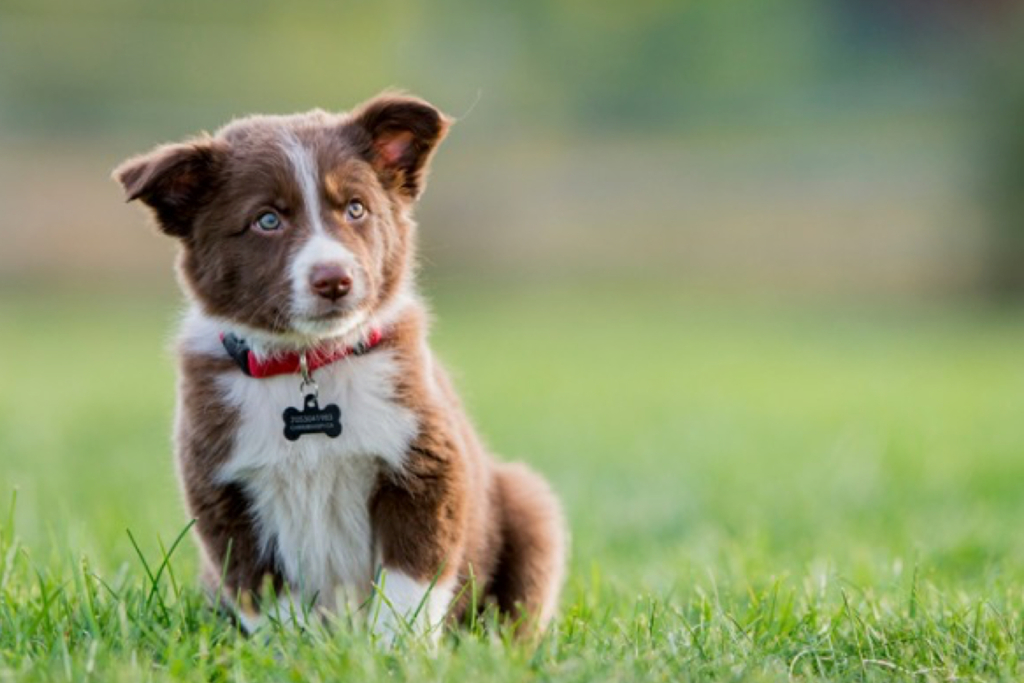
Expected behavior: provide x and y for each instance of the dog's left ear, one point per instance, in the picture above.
(402, 132)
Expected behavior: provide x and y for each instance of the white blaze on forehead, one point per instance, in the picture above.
(319, 247)
(307, 176)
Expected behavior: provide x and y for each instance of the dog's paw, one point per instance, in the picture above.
(285, 611)
(404, 608)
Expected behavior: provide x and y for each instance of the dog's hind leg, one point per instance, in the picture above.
(531, 564)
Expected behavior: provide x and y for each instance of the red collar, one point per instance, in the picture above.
(289, 363)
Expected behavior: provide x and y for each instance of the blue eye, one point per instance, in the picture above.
(268, 221)
(355, 210)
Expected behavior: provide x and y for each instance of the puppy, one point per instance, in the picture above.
(321, 449)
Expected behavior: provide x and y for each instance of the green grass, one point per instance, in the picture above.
(755, 492)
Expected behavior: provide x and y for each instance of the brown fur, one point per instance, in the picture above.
(224, 526)
(450, 510)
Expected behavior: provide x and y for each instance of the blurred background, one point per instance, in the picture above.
(853, 147)
(676, 247)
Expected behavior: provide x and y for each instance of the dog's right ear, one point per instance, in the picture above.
(174, 181)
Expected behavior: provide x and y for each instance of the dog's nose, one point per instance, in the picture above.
(330, 280)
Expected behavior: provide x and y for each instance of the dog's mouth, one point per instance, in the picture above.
(327, 316)
(335, 320)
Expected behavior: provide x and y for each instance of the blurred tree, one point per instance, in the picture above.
(1004, 157)
(978, 47)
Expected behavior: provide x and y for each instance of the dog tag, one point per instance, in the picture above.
(312, 419)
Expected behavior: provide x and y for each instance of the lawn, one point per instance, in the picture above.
(756, 491)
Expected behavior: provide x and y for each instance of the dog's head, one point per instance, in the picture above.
(297, 226)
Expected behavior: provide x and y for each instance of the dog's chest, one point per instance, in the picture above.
(310, 497)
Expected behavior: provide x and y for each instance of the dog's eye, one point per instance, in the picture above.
(268, 221)
(355, 210)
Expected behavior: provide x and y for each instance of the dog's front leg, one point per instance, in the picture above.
(236, 569)
(419, 518)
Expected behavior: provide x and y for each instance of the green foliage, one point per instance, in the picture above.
(171, 68)
(755, 492)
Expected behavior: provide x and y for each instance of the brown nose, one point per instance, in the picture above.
(330, 280)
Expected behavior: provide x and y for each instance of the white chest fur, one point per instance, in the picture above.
(310, 496)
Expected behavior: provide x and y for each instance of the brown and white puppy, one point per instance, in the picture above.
(296, 236)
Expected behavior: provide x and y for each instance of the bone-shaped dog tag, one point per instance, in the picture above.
(312, 419)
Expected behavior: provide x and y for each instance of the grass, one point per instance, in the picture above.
(756, 492)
